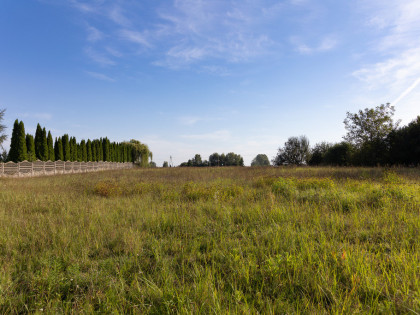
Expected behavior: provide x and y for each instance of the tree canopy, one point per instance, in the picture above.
(140, 152)
(295, 152)
(67, 148)
(18, 151)
(260, 160)
(216, 159)
(369, 125)
(3, 136)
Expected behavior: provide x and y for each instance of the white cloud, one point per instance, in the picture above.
(135, 37)
(187, 54)
(216, 70)
(99, 57)
(395, 75)
(117, 15)
(326, 44)
(406, 92)
(219, 135)
(395, 71)
(113, 52)
(189, 120)
(94, 34)
(184, 33)
(398, 45)
(99, 76)
(42, 116)
(83, 7)
(188, 30)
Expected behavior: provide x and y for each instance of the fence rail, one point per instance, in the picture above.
(25, 168)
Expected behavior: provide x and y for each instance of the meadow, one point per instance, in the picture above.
(212, 241)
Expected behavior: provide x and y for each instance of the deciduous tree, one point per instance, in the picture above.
(260, 160)
(295, 152)
(370, 124)
(3, 136)
(318, 153)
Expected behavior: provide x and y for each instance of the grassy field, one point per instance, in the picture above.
(212, 240)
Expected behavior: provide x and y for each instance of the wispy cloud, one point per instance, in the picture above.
(116, 14)
(99, 57)
(189, 120)
(99, 76)
(326, 44)
(219, 135)
(41, 116)
(83, 7)
(94, 34)
(216, 70)
(135, 37)
(395, 71)
(182, 32)
(187, 33)
(398, 44)
(407, 91)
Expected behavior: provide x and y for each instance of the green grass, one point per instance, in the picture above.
(212, 240)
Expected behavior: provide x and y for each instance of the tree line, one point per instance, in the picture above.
(372, 138)
(215, 159)
(65, 148)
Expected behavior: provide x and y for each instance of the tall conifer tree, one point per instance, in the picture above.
(58, 149)
(94, 152)
(23, 151)
(105, 148)
(38, 141)
(18, 151)
(30, 146)
(43, 154)
(14, 142)
(66, 147)
(79, 153)
(73, 149)
(101, 151)
(51, 154)
(83, 150)
(89, 150)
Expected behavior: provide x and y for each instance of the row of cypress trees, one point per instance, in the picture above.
(41, 147)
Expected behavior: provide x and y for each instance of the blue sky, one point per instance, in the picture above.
(195, 76)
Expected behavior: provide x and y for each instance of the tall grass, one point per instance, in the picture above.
(212, 240)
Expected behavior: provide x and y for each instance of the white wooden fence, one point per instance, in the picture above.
(36, 168)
